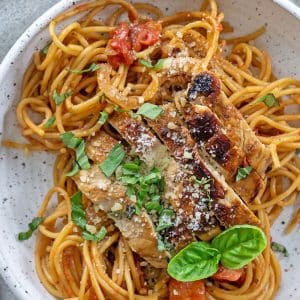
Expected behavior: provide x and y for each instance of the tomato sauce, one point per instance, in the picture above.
(127, 39)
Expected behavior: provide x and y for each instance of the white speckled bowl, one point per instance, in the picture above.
(24, 180)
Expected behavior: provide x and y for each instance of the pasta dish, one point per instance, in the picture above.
(175, 153)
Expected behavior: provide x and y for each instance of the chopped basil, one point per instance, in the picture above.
(79, 218)
(150, 111)
(81, 157)
(113, 160)
(60, 98)
(153, 206)
(74, 171)
(279, 248)
(69, 139)
(49, 122)
(77, 144)
(92, 68)
(146, 63)
(159, 65)
(95, 237)
(165, 219)
(269, 100)
(78, 213)
(33, 225)
(103, 117)
(243, 173)
(45, 49)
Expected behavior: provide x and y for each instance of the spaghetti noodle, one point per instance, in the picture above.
(73, 268)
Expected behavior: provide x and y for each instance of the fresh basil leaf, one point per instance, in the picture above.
(131, 168)
(243, 173)
(103, 117)
(81, 157)
(113, 160)
(92, 68)
(60, 98)
(94, 237)
(153, 177)
(33, 225)
(49, 122)
(130, 191)
(69, 139)
(146, 63)
(269, 100)
(78, 213)
(129, 180)
(153, 206)
(141, 196)
(196, 261)
(45, 49)
(101, 233)
(23, 236)
(150, 111)
(239, 245)
(74, 171)
(279, 248)
(160, 64)
(165, 219)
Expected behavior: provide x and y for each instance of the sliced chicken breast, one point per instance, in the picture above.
(110, 196)
(225, 203)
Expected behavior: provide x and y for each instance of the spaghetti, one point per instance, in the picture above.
(73, 268)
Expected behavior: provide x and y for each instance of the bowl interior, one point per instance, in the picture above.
(26, 179)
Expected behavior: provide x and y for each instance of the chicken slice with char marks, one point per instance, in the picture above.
(225, 155)
(205, 89)
(180, 190)
(226, 204)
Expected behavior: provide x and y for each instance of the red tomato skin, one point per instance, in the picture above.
(126, 39)
(186, 290)
(224, 274)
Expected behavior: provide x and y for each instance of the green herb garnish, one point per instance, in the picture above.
(45, 49)
(234, 248)
(97, 237)
(92, 68)
(103, 117)
(150, 111)
(113, 160)
(79, 218)
(279, 248)
(33, 225)
(81, 160)
(49, 122)
(269, 100)
(159, 65)
(60, 98)
(243, 173)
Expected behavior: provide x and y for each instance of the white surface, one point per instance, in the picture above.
(25, 180)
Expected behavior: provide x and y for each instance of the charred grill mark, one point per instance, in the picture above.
(219, 147)
(203, 127)
(204, 84)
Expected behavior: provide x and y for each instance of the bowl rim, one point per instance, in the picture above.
(30, 32)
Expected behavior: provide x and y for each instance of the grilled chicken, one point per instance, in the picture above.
(225, 203)
(110, 196)
(214, 143)
(205, 90)
(180, 191)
